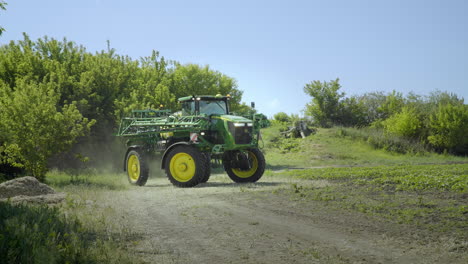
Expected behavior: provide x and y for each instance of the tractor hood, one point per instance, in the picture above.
(232, 118)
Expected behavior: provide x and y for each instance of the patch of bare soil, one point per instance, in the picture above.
(29, 189)
(224, 222)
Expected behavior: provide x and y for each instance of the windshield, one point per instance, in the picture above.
(213, 107)
(188, 108)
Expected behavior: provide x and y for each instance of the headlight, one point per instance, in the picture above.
(242, 124)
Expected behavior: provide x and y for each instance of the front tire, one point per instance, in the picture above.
(254, 173)
(185, 166)
(136, 167)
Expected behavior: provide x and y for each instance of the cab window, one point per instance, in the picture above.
(210, 107)
(188, 108)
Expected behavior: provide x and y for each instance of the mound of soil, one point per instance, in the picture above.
(29, 189)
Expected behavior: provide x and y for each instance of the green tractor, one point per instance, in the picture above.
(187, 141)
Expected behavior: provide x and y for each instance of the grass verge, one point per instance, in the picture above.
(43, 234)
(330, 147)
(431, 197)
(77, 231)
(91, 179)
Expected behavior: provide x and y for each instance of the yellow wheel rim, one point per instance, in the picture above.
(182, 167)
(133, 168)
(251, 171)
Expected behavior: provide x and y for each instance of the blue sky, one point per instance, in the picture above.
(272, 48)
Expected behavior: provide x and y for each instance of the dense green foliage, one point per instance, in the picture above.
(41, 234)
(438, 120)
(282, 117)
(449, 127)
(406, 123)
(379, 139)
(53, 92)
(325, 105)
(2, 7)
(33, 127)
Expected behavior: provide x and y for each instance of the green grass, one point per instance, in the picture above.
(432, 197)
(451, 177)
(77, 231)
(330, 148)
(420, 188)
(92, 179)
(43, 234)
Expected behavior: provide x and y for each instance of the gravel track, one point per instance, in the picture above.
(224, 222)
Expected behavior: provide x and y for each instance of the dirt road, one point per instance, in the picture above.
(224, 222)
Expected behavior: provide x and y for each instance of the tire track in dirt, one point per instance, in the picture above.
(221, 222)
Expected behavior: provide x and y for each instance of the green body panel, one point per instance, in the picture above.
(206, 116)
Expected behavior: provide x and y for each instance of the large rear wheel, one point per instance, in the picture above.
(207, 174)
(136, 167)
(247, 166)
(185, 166)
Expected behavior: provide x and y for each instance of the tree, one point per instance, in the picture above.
(393, 104)
(406, 123)
(437, 98)
(352, 112)
(449, 128)
(242, 109)
(34, 127)
(325, 105)
(282, 117)
(103, 86)
(372, 102)
(150, 87)
(2, 7)
(192, 79)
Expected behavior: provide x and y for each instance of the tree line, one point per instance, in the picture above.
(56, 97)
(438, 120)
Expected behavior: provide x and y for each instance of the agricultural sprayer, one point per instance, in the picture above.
(187, 141)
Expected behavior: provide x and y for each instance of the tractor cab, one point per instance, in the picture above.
(205, 105)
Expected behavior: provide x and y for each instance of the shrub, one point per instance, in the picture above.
(378, 139)
(43, 234)
(406, 123)
(449, 128)
(282, 117)
(39, 234)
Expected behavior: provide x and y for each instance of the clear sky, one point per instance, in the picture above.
(272, 48)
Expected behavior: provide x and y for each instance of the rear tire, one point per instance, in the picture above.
(207, 174)
(136, 167)
(185, 166)
(257, 162)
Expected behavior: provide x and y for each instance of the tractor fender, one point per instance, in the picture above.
(126, 153)
(163, 160)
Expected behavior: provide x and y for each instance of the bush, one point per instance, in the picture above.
(449, 128)
(39, 235)
(282, 117)
(378, 139)
(36, 127)
(406, 123)
(43, 234)
(325, 106)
